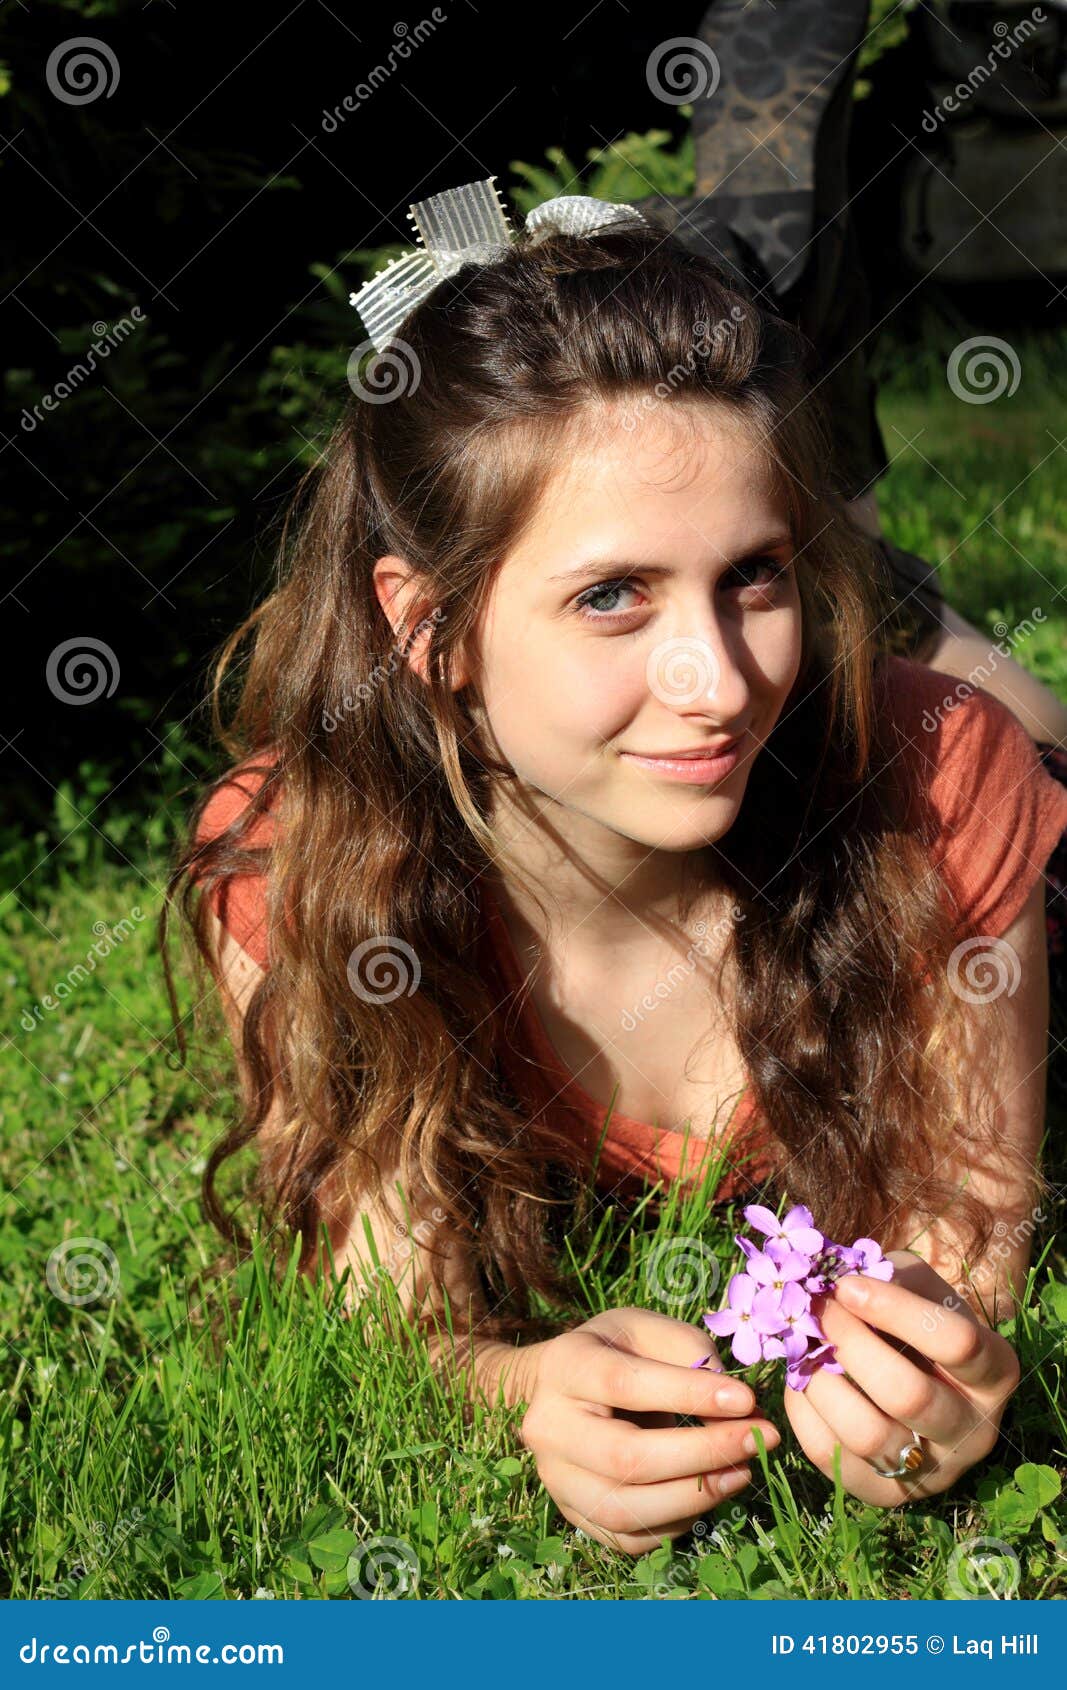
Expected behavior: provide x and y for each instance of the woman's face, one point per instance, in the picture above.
(650, 607)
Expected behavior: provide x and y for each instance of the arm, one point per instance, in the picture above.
(953, 1383)
(401, 1241)
(962, 650)
(1007, 1185)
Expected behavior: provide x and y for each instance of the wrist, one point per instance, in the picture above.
(491, 1365)
(510, 1368)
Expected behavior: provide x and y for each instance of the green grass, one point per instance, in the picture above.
(140, 1461)
(978, 489)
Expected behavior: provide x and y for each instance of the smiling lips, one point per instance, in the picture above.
(719, 749)
(697, 767)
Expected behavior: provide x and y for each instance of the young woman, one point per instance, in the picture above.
(580, 834)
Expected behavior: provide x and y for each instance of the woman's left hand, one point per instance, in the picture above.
(949, 1386)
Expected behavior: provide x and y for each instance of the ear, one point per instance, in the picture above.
(410, 613)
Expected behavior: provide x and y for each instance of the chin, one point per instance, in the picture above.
(691, 834)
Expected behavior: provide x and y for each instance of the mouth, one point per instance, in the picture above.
(698, 767)
(717, 748)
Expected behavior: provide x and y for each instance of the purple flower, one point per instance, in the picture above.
(779, 1270)
(796, 1323)
(828, 1266)
(741, 1322)
(769, 1315)
(799, 1373)
(867, 1258)
(796, 1232)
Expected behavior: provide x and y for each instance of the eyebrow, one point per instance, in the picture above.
(620, 567)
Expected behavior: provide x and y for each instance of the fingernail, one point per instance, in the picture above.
(734, 1396)
(735, 1481)
(749, 1445)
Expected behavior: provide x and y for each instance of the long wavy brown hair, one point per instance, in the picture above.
(857, 1047)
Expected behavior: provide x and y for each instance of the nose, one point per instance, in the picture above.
(696, 675)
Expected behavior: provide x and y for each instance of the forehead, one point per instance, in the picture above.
(683, 478)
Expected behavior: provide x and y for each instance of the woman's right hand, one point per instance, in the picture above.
(602, 1424)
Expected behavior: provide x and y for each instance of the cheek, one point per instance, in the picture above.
(552, 711)
(597, 688)
(775, 644)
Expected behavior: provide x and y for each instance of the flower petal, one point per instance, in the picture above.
(796, 1346)
(762, 1219)
(741, 1291)
(798, 1215)
(870, 1248)
(746, 1344)
(802, 1231)
(793, 1266)
(762, 1268)
(795, 1300)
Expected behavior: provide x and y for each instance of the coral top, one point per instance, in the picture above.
(998, 816)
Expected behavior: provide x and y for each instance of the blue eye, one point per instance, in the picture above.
(603, 589)
(608, 589)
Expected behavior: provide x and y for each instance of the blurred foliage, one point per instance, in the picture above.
(887, 27)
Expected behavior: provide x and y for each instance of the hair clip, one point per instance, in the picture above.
(467, 225)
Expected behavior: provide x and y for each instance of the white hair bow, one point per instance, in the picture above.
(466, 225)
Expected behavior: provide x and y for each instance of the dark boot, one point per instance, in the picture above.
(771, 140)
(775, 215)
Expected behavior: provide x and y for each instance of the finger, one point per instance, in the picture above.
(818, 1440)
(950, 1336)
(643, 1508)
(645, 1332)
(602, 1374)
(632, 1543)
(915, 1398)
(857, 1424)
(627, 1454)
